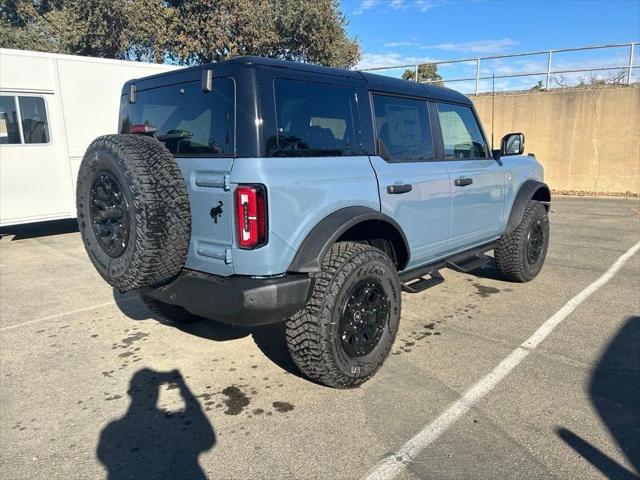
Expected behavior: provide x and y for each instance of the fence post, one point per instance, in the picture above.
(417, 68)
(630, 71)
(477, 74)
(548, 70)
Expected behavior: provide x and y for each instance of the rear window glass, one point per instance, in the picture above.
(313, 119)
(187, 120)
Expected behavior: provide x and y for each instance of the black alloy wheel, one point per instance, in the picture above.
(363, 318)
(535, 243)
(109, 214)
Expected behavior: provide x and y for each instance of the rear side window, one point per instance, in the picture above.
(23, 114)
(313, 119)
(461, 133)
(402, 125)
(188, 121)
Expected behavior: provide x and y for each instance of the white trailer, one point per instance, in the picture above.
(51, 107)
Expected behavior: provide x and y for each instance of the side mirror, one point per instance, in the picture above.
(512, 144)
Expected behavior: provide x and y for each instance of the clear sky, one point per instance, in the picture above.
(407, 31)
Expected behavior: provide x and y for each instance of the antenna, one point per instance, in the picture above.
(493, 104)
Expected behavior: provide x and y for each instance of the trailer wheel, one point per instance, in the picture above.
(133, 211)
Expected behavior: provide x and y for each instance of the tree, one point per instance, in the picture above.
(21, 25)
(184, 31)
(95, 28)
(538, 86)
(427, 72)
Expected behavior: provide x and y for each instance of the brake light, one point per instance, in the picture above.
(251, 215)
(142, 129)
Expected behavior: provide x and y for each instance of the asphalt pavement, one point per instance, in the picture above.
(92, 385)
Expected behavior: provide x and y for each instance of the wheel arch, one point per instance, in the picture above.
(529, 190)
(353, 224)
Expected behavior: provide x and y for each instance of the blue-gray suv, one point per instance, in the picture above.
(256, 191)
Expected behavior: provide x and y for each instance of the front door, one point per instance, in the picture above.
(476, 180)
(414, 188)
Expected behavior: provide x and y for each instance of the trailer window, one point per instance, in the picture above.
(189, 122)
(30, 126)
(34, 120)
(313, 119)
(9, 130)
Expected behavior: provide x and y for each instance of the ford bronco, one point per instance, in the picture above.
(255, 191)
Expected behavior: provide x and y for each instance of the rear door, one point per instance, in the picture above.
(477, 180)
(413, 186)
(198, 128)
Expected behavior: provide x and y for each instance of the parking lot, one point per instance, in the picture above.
(92, 384)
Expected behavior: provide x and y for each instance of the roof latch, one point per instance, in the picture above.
(207, 80)
(132, 93)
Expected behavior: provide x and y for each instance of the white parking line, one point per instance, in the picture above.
(393, 464)
(63, 314)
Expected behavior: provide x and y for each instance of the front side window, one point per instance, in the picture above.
(313, 119)
(188, 121)
(461, 133)
(34, 125)
(402, 125)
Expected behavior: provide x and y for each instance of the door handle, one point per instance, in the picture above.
(397, 189)
(462, 182)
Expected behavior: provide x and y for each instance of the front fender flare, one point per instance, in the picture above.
(326, 232)
(529, 190)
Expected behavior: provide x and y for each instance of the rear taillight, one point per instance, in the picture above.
(251, 216)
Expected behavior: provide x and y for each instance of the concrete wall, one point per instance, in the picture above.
(588, 140)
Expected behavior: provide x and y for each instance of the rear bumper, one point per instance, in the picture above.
(237, 300)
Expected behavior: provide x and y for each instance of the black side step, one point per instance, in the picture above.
(421, 283)
(470, 263)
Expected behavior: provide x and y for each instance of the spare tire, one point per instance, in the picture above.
(133, 211)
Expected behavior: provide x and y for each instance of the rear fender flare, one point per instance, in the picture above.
(319, 240)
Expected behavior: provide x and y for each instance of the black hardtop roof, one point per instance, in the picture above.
(375, 82)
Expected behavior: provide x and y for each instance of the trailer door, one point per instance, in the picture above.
(34, 170)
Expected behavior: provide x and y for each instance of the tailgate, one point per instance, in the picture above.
(212, 224)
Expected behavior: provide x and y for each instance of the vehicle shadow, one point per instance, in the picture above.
(270, 339)
(149, 442)
(39, 229)
(614, 390)
(489, 271)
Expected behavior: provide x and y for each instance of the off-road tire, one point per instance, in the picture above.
(312, 335)
(157, 209)
(167, 312)
(512, 249)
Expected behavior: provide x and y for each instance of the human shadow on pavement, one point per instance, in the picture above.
(614, 390)
(150, 443)
(270, 339)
